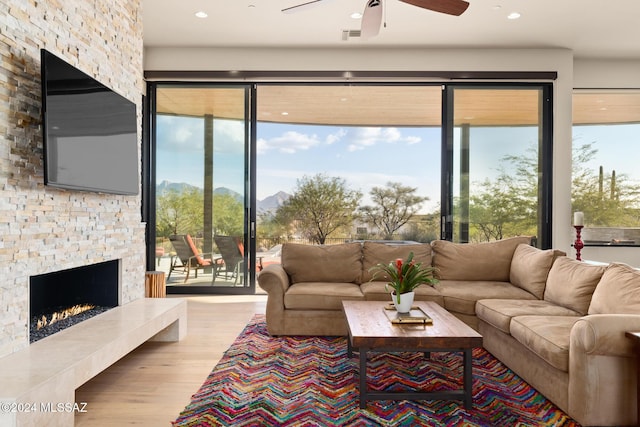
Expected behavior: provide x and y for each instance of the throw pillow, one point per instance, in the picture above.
(530, 267)
(618, 291)
(375, 253)
(571, 283)
(323, 263)
(489, 261)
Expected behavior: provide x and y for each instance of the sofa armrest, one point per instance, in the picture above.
(602, 370)
(275, 281)
(604, 334)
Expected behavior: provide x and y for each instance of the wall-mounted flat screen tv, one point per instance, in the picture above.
(90, 132)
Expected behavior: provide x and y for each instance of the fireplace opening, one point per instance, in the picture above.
(61, 299)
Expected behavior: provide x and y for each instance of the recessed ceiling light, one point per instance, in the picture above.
(356, 15)
(201, 14)
(284, 113)
(513, 15)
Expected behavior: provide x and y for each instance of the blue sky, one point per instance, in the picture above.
(618, 147)
(364, 156)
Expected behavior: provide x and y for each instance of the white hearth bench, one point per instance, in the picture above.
(37, 384)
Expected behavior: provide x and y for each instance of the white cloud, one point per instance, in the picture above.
(228, 136)
(289, 142)
(413, 140)
(182, 134)
(367, 137)
(335, 137)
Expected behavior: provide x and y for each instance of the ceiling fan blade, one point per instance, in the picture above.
(371, 19)
(450, 7)
(303, 6)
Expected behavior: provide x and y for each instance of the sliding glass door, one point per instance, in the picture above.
(461, 162)
(201, 188)
(498, 182)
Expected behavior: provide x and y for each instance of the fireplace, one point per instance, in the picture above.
(60, 299)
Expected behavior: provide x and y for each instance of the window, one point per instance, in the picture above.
(370, 137)
(473, 158)
(605, 174)
(201, 188)
(496, 146)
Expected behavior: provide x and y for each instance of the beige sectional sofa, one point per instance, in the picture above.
(571, 345)
(558, 323)
(306, 289)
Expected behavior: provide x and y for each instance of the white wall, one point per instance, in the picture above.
(606, 74)
(578, 73)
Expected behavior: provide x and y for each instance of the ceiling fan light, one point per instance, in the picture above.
(371, 19)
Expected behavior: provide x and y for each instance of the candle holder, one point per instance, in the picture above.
(578, 244)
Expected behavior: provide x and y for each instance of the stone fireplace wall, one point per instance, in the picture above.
(43, 229)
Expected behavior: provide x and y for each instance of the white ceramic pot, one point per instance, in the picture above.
(406, 301)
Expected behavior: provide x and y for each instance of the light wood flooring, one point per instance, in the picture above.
(152, 384)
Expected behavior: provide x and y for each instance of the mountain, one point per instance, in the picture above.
(172, 186)
(272, 203)
(268, 204)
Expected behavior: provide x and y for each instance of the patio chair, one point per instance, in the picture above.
(188, 257)
(232, 254)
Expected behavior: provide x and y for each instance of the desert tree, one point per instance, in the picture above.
(606, 198)
(179, 212)
(320, 205)
(228, 214)
(393, 206)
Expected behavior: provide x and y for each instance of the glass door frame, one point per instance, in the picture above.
(545, 156)
(447, 127)
(149, 186)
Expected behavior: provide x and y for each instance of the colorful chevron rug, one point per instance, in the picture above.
(310, 381)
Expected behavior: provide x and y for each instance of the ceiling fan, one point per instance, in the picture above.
(372, 16)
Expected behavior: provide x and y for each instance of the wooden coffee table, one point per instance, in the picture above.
(371, 330)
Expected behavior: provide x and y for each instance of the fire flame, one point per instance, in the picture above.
(63, 314)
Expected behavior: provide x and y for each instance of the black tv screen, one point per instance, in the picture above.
(90, 132)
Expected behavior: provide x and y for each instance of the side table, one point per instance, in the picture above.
(154, 284)
(635, 336)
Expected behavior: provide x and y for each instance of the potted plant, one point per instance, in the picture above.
(404, 277)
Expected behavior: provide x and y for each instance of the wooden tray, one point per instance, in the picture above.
(415, 315)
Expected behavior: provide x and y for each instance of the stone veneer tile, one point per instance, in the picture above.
(44, 229)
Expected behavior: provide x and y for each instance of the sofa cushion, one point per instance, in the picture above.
(618, 291)
(460, 296)
(571, 283)
(374, 253)
(320, 295)
(499, 312)
(546, 336)
(375, 291)
(475, 261)
(323, 263)
(530, 267)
